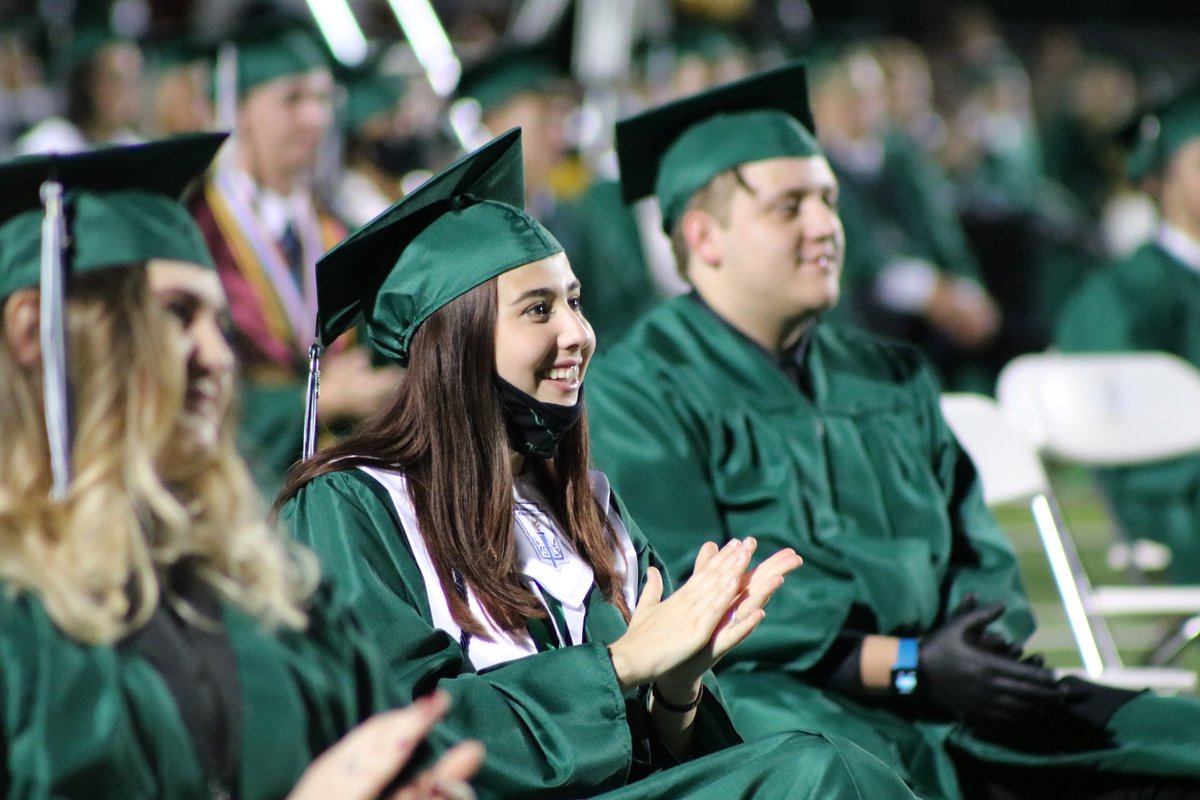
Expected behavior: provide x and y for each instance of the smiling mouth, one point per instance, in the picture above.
(568, 374)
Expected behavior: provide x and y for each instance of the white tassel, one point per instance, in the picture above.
(53, 339)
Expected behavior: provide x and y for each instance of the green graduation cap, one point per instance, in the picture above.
(677, 148)
(274, 47)
(369, 93)
(509, 71)
(462, 227)
(83, 46)
(1162, 131)
(120, 206)
(63, 215)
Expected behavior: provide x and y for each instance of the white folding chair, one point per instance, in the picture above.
(1113, 409)
(1011, 471)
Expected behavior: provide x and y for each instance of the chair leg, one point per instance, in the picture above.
(1097, 648)
(1174, 644)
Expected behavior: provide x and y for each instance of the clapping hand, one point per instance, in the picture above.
(365, 761)
(676, 640)
(968, 672)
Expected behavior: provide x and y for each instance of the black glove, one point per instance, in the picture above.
(966, 672)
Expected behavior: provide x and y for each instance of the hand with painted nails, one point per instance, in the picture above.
(366, 760)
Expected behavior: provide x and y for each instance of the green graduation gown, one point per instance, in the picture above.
(555, 723)
(705, 437)
(905, 210)
(1147, 301)
(99, 721)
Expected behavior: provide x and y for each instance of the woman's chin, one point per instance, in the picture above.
(193, 447)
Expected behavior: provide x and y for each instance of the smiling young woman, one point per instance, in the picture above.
(465, 525)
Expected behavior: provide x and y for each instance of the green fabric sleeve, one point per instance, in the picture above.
(713, 729)
(99, 721)
(655, 457)
(929, 210)
(982, 560)
(554, 723)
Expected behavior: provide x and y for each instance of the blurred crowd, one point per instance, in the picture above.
(982, 175)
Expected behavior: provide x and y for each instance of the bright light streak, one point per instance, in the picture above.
(340, 29)
(429, 42)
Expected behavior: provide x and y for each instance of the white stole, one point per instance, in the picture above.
(547, 561)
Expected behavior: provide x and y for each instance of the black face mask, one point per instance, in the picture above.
(535, 428)
(396, 155)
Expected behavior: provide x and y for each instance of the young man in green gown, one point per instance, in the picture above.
(265, 226)
(735, 411)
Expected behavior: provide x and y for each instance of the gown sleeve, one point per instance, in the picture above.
(554, 723)
(982, 560)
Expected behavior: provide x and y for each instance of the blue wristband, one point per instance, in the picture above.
(904, 669)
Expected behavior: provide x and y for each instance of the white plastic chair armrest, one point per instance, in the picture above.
(1148, 599)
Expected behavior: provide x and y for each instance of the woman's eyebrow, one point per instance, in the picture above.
(532, 293)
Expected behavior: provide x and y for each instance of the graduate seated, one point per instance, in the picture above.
(157, 637)
(1150, 300)
(265, 226)
(463, 522)
(910, 271)
(737, 409)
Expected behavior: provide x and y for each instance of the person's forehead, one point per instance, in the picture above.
(181, 277)
(790, 172)
(315, 79)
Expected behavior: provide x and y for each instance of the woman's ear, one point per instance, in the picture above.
(22, 322)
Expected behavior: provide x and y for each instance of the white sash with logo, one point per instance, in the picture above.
(547, 560)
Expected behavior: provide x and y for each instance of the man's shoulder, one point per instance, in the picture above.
(849, 347)
(1149, 274)
(664, 335)
(1148, 266)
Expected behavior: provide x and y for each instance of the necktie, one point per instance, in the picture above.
(289, 245)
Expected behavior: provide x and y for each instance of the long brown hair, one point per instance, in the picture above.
(445, 430)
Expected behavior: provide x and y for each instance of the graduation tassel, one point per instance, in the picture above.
(312, 392)
(225, 83)
(53, 339)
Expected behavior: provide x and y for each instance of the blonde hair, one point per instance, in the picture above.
(95, 561)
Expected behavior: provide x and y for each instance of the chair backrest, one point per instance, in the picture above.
(1007, 462)
(1011, 470)
(1104, 409)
